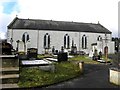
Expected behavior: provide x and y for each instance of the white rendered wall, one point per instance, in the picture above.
(57, 39)
(17, 35)
(91, 38)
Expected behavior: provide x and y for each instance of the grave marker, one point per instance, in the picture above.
(32, 53)
(62, 57)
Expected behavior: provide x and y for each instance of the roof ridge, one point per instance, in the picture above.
(54, 20)
(40, 24)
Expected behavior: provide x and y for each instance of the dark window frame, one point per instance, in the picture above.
(24, 38)
(66, 41)
(46, 41)
(84, 42)
(99, 38)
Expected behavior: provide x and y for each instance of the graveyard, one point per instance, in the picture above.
(33, 76)
(36, 77)
(39, 70)
(65, 70)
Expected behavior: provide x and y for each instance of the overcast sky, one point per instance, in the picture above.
(87, 11)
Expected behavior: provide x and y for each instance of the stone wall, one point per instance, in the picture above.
(114, 76)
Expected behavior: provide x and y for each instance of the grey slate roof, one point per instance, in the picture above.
(36, 24)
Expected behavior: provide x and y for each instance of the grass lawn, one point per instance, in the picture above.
(88, 60)
(83, 58)
(107, 58)
(31, 77)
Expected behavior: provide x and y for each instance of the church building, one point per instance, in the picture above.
(48, 34)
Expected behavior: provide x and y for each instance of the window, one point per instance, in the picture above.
(99, 38)
(46, 41)
(66, 41)
(25, 37)
(84, 42)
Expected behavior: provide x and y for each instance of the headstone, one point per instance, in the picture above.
(91, 54)
(22, 56)
(74, 49)
(95, 55)
(6, 48)
(56, 52)
(100, 54)
(32, 53)
(62, 49)
(21, 46)
(62, 57)
(53, 50)
(95, 52)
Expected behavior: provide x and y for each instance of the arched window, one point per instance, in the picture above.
(25, 37)
(99, 38)
(46, 41)
(66, 41)
(84, 42)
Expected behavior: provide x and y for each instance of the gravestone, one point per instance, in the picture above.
(6, 48)
(56, 52)
(32, 53)
(95, 55)
(22, 56)
(100, 54)
(74, 50)
(62, 57)
(91, 54)
(62, 49)
(53, 50)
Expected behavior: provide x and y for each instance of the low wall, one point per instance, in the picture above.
(9, 61)
(114, 76)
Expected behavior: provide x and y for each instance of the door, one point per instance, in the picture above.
(106, 50)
